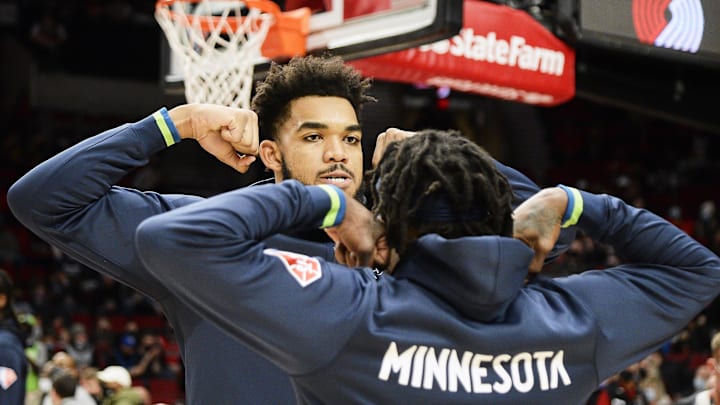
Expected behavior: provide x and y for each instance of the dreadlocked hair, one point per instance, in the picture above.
(440, 164)
(305, 76)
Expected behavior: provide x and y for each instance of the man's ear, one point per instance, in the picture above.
(270, 155)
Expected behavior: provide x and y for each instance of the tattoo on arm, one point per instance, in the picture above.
(540, 219)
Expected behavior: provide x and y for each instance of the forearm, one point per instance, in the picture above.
(639, 235)
(667, 279)
(71, 200)
(245, 216)
(83, 173)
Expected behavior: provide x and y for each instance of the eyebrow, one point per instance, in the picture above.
(320, 125)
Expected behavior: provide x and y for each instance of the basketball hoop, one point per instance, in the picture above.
(219, 43)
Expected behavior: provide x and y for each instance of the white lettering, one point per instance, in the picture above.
(490, 49)
(506, 93)
(418, 366)
(540, 357)
(557, 368)
(459, 371)
(520, 385)
(436, 369)
(441, 369)
(478, 373)
(506, 384)
(397, 364)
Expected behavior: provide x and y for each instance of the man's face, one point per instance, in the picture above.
(320, 143)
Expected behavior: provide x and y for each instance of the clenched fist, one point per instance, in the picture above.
(230, 134)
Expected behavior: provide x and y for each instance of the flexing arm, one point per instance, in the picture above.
(670, 278)
(294, 309)
(71, 200)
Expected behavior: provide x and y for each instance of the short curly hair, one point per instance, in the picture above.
(305, 76)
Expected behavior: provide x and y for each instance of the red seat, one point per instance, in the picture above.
(153, 322)
(163, 390)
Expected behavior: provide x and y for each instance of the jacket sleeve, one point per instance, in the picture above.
(13, 370)
(296, 310)
(524, 188)
(71, 200)
(670, 278)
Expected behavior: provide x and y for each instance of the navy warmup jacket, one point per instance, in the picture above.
(72, 202)
(454, 324)
(13, 364)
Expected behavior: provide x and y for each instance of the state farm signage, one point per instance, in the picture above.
(501, 52)
(514, 52)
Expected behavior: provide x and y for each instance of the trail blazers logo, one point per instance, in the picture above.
(674, 24)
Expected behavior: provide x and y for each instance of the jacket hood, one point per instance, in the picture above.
(479, 276)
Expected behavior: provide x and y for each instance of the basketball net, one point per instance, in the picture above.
(217, 46)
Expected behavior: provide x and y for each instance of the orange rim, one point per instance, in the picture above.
(287, 36)
(208, 23)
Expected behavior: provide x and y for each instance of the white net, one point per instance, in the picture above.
(216, 47)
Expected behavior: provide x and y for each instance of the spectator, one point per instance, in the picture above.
(61, 361)
(127, 354)
(703, 375)
(63, 388)
(104, 343)
(652, 384)
(36, 353)
(676, 367)
(118, 384)
(89, 381)
(711, 394)
(152, 361)
(625, 386)
(80, 347)
(62, 336)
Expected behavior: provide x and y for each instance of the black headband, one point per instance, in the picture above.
(437, 207)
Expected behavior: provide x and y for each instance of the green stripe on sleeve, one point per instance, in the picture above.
(164, 129)
(577, 208)
(335, 205)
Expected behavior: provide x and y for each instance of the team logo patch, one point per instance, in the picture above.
(7, 377)
(682, 31)
(306, 270)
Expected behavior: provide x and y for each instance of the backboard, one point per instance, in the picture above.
(354, 29)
